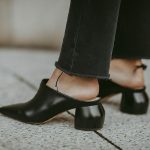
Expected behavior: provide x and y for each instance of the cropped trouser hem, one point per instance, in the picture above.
(89, 38)
(57, 65)
(98, 30)
(132, 57)
(121, 53)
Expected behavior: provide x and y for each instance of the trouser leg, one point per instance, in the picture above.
(133, 31)
(89, 38)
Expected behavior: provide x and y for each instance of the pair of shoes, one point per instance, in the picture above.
(133, 101)
(89, 115)
(48, 103)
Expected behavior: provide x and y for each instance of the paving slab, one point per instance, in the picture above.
(33, 65)
(126, 131)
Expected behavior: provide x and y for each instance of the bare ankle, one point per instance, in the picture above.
(78, 87)
(124, 72)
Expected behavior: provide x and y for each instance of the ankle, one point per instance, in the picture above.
(82, 88)
(124, 72)
(128, 63)
(53, 79)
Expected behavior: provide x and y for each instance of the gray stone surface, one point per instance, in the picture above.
(127, 131)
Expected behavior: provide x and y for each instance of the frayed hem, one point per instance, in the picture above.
(129, 57)
(107, 77)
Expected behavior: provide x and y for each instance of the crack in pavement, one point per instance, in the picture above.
(101, 135)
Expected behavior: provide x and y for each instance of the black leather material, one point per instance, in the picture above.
(46, 104)
(107, 88)
(132, 101)
(90, 117)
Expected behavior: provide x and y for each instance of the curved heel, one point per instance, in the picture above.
(134, 102)
(90, 118)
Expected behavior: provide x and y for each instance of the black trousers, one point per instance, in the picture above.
(98, 30)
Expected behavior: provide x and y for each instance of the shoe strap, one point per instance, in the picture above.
(141, 66)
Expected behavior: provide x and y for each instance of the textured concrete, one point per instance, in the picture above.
(20, 72)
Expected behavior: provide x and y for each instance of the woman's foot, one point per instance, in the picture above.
(124, 73)
(81, 88)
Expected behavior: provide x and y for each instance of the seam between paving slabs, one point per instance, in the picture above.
(30, 85)
(101, 135)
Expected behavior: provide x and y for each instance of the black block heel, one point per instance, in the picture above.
(134, 102)
(90, 118)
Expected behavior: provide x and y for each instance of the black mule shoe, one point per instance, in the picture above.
(133, 101)
(47, 103)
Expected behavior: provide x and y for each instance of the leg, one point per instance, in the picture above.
(87, 47)
(132, 43)
(89, 38)
(133, 32)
